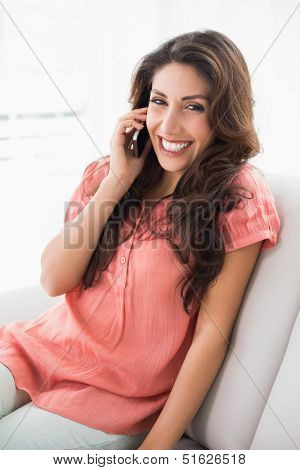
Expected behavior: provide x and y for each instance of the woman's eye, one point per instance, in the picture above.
(197, 107)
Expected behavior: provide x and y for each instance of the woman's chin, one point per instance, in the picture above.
(168, 164)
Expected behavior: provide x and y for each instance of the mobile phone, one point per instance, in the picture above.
(138, 141)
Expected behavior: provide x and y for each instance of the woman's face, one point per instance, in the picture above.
(175, 119)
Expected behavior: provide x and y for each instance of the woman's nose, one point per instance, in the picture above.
(170, 123)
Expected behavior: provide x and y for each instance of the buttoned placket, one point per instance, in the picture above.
(124, 254)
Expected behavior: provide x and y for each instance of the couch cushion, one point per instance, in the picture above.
(279, 427)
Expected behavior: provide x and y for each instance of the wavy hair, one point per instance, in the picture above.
(206, 188)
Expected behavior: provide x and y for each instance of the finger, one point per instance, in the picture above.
(129, 124)
(133, 114)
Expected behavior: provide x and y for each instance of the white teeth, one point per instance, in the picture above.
(173, 147)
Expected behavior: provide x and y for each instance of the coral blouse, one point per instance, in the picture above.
(109, 357)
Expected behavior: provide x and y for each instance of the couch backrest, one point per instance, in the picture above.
(230, 415)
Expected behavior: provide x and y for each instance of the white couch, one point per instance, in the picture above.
(254, 402)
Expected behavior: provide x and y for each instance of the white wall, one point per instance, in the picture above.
(77, 57)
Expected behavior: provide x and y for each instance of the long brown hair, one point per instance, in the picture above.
(205, 189)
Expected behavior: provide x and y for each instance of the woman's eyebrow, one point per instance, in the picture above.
(184, 97)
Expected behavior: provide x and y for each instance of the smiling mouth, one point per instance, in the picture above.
(172, 152)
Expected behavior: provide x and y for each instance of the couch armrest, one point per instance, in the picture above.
(25, 303)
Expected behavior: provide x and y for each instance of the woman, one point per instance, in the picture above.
(127, 359)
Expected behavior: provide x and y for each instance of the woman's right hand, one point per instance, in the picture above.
(124, 166)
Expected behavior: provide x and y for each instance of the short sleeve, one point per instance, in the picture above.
(92, 176)
(253, 219)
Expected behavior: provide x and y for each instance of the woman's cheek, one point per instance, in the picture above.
(149, 122)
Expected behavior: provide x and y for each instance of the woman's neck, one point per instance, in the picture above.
(163, 188)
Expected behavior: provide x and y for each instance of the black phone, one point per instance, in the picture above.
(138, 141)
